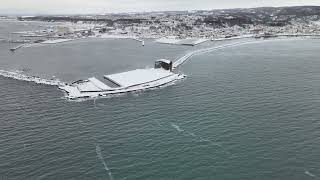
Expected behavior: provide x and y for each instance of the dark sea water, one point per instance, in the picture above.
(245, 112)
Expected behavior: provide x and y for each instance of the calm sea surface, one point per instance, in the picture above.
(245, 112)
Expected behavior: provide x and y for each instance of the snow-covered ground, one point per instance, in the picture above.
(168, 40)
(231, 38)
(188, 41)
(116, 36)
(55, 41)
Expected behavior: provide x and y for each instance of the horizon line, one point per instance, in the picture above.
(141, 12)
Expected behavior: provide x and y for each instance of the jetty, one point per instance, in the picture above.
(17, 47)
(184, 58)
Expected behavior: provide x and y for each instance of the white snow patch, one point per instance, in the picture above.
(138, 76)
(114, 36)
(188, 41)
(87, 87)
(55, 41)
(168, 40)
(98, 83)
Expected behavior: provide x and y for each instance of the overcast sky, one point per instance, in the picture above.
(115, 6)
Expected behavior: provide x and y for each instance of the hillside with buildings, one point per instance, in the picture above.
(267, 21)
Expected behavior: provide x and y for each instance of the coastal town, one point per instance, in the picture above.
(178, 27)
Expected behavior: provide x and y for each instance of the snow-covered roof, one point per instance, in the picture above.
(92, 85)
(98, 83)
(138, 76)
(87, 87)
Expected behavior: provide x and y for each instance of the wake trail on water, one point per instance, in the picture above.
(179, 129)
(310, 174)
(94, 103)
(99, 154)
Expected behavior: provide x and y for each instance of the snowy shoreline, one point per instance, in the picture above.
(55, 41)
(187, 41)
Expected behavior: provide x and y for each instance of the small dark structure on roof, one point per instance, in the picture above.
(164, 64)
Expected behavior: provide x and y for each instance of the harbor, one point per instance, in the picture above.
(235, 90)
(129, 80)
(94, 90)
(164, 72)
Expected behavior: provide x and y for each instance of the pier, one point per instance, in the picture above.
(16, 48)
(184, 58)
(185, 42)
